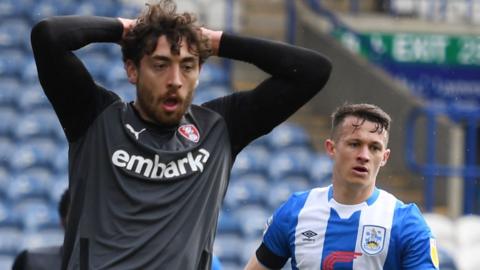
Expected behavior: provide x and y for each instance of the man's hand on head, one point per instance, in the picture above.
(214, 38)
(128, 25)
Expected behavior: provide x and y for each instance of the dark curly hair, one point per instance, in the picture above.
(160, 19)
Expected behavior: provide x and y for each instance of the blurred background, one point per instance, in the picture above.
(417, 59)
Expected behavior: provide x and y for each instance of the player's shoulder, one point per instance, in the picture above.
(402, 209)
(409, 215)
(301, 196)
(297, 200)
(204, 110)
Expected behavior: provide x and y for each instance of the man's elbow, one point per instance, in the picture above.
(41, 32)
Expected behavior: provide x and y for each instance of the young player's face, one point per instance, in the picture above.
(165, 83)
(357, 152)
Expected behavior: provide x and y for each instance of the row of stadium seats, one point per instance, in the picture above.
(451, 11)
(210, 11)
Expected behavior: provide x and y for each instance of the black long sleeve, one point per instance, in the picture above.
(297, 74)
(76, 98)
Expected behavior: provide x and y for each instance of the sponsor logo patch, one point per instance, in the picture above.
(434, 253)
(155, 168)
(190, 132)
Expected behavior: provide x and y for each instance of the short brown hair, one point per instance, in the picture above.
(158, 19)
(364, 111)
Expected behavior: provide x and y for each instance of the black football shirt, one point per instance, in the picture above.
(147, 196)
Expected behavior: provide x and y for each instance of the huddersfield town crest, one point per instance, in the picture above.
(373, 238)
(190, 132)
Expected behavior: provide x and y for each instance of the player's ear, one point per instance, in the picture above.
(132, 72)
(329, 145)
(386, 154)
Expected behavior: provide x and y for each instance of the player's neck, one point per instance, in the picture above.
(351, 194)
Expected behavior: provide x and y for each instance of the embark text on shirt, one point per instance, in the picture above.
(154, 169)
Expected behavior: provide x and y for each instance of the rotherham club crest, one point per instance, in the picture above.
(190, 132)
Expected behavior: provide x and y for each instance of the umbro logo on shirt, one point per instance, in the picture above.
(309, 235)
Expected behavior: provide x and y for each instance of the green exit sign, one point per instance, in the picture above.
(418, 48)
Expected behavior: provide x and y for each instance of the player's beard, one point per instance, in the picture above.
(152, 108)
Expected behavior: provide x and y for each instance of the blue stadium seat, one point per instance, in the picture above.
(6, 261)
(8, 8)
(54, 235)
(227, 223)
(231, 265)
(60, 161)
(4, 211)
(282, 190)
(248, 248)
(12, 61)
(43, 238)
(126, 91)
(320, 170)
(97, 64)
(262, 141)
(29, 74)
(252, 220)
(5, 179)
(116, 75)
(246, 189)
(31, 97)
(10, 88)
(129, 10)
(44, 9)
(24, 186)
(114, 51)
(289, 161)
(6, 149)
(35, 153)
(203, 95)
(11, 236)
(213, 74)
(98, 8)
(14, 32)
(252, 159)
(8, 119)
(34, 212)
(24, 7)
(39, 175)
(58, 186)
(226, 247)
(287, 135)
(40, 123)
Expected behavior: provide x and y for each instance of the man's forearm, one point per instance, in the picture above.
(304, 66)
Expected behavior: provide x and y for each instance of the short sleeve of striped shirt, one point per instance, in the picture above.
(417, 243)
(281, 226)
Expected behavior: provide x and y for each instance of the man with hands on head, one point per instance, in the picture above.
(147, 178)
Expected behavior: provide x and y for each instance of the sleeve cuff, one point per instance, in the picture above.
(269, 259)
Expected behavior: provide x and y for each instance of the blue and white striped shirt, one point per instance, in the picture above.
(317, 232)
